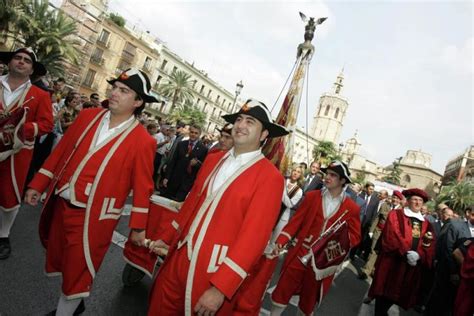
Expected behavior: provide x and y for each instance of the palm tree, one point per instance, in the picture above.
(325, 152)
(178, 87)
(50, 33)
(458, 195)
(188, 113)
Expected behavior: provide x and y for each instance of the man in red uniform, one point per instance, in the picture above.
(102, 158)
(319, 210)
(224, 224)
(407, 247)
(17, 94)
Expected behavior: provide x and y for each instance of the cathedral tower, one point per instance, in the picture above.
(328, 121)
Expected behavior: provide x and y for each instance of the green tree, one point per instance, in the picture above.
(117, 19)
(458, 195)
(178, 87)
(50, 33)
(325, 152)
(395, 173)
(360, 177)
(188, 113)
(10, 12)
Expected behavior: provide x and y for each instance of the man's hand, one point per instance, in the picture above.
(278, 248)
(159, 247)
(32, 197)
(210, 302)
(165, 183)
(193, 162)
(138, 237)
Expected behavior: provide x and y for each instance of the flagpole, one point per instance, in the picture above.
(279, 150)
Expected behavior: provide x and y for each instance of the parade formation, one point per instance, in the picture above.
(212, 221)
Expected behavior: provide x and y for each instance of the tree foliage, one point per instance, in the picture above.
(458, 195)
(50, 33)
(178, 87)
(188, 113)
(117, 19)
(325, 152)
(395, 173)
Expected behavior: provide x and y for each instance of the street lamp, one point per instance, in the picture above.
(238, 89)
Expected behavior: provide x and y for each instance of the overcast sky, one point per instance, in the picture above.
(407, 64)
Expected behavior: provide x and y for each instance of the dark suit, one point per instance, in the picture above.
(452, 235)
(180, 176)
(369, 215)
(315, 184)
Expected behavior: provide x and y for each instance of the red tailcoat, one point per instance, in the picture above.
(100, 178)
(13, 170)
(220, 235)
(394, 278)
(464, 304)
(305, 227)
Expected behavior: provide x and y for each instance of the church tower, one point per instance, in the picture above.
(328, 121)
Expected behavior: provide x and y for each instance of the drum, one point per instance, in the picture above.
(161, 213)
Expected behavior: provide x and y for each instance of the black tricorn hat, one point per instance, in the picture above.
(38, 68)
(137, 81)
(340, 168)
(259, 111)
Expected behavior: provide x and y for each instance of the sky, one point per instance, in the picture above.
(408, 65)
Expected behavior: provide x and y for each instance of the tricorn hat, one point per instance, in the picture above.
(38, 68)
(137, 81)
(259, 111)
(227, 128)
(340, 168)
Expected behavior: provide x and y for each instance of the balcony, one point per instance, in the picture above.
(128, 56)
(104, 42)
(97, 60)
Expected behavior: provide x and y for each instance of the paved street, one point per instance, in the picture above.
(25, 290)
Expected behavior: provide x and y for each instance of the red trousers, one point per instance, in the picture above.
(299, 279)
(168, 294)
(65, 252)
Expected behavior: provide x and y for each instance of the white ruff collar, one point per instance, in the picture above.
(410, 213)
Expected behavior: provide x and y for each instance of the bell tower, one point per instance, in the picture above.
(330, 114)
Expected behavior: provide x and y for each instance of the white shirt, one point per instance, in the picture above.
(410, 213)
(231, 165)
(8, 95)
(105, 131)
(330, 204)
(471, 228)
(160, 137)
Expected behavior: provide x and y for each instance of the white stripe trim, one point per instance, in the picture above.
(136, 266)
(35, 126)
(234, 266)
(140, 210)
(175, 224)
(278, 304)
(45, 172)
(78, 295)
(285, 234)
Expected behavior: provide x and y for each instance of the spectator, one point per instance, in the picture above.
(183, 166)
(226, 141)
(94, 98)
(313, 180)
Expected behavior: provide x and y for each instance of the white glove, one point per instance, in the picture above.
(371, 234)
(412, 257)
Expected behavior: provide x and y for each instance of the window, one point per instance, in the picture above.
(90, 76)
(204, 107)
(202, 89)
(147, 64)
(209, 94)
(159, 78)
(213, 110)
(163, 64)
(104, 37)
(194, 83)
(97, 56)
(197, 103)
(174, 69)
(336, 114)
(407, 178)
(327, 110)
(217, 99)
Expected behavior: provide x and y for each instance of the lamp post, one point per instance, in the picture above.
(238, 89)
